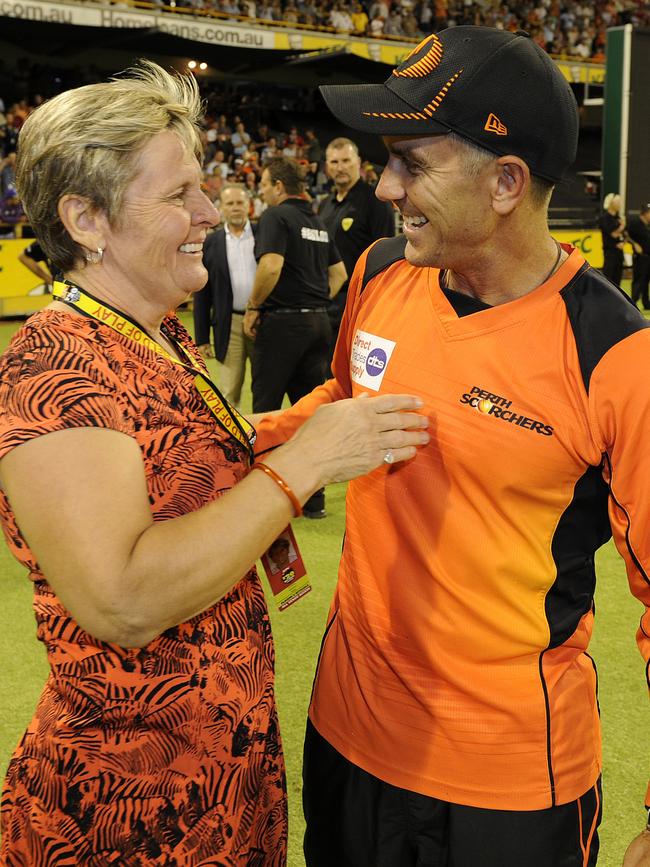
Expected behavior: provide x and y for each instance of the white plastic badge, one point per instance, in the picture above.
(369, 359)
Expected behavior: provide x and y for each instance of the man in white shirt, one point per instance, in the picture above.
(228, 255)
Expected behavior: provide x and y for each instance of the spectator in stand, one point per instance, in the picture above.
(240, 140)
(340, 19)
(218, 165)
(393, 25)
(11, 212)
(256, 204)
(313, 152)
(271, 150)
(376, 26)
(359, 19)
(378, 7)
(8, 135)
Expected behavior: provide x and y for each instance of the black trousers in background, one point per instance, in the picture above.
(640, 280)
(290, 356)
(613, 266)
(355, 820)
(335, 313)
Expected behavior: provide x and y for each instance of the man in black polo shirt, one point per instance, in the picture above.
(298, 270)
(354, 216)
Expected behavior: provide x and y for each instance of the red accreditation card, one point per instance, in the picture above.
(285, 570)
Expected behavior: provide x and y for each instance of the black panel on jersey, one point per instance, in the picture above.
(463, 304)
(384, 253)
(582, 529)
(601, 315)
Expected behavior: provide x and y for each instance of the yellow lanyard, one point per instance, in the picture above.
(227, 416)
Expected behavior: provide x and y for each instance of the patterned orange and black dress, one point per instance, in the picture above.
(168, 754)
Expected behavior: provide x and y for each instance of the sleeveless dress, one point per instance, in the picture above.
(168, 754)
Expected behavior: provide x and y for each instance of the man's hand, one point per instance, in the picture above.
(251, 323)
(638, 852)
(206, 350)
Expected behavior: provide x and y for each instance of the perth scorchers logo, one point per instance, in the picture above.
(422, 61)
(496, 406)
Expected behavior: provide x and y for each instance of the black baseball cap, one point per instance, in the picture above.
(497, 89)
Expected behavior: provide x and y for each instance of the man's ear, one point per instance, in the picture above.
(511, 184)
(83, 222)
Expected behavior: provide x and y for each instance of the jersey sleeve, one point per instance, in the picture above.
(54, 383)
(271, 234)
(619, 406)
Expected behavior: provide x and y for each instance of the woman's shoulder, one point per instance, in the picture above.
(57, 340)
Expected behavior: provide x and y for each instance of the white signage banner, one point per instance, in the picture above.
(214, 32)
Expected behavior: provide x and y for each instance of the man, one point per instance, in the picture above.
(612, 229)
(35, 258)
(354, 216)
(638, 230)
(229, 258)
(299, 270)
(454, 717)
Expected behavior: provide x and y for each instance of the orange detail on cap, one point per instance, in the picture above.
(493, 124)
(425, 64)
(426, 112)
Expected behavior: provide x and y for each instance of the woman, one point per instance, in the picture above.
(126, 492)
(612, 229)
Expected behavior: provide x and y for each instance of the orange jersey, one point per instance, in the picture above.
(455, 661)
(169, 753)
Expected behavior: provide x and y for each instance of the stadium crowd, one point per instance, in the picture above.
(568, 28)
(235, 150)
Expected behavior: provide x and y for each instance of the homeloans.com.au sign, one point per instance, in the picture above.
(214, 32)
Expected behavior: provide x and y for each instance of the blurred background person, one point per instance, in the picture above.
(612, 229)
(229, 259)
(155, 740)
(354, 217)
(35, 258)
(638, 231)
(299, 270)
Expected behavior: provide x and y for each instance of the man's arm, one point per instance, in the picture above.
(42, 273)
(267, 275)
(336, 277)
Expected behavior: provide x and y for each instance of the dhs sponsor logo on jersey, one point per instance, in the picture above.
(369, 359)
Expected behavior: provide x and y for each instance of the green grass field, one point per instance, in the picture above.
(298, 630)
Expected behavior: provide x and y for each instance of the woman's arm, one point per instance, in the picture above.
(80, 499)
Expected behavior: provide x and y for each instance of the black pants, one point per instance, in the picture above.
(290, 356)
(640, 280)
(613, 266)
(356, 820)
(335, 313)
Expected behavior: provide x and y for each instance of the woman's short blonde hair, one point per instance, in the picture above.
(86, 141)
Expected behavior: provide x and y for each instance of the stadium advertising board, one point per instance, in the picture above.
(214, 31)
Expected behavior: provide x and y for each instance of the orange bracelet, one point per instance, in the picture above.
(271, 473)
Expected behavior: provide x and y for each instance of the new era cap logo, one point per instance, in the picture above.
(493, 124)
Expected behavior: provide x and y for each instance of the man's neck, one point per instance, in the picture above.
(507, 277)
(341, 192)
(237, 231)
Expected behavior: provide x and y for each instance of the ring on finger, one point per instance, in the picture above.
(389, 457)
